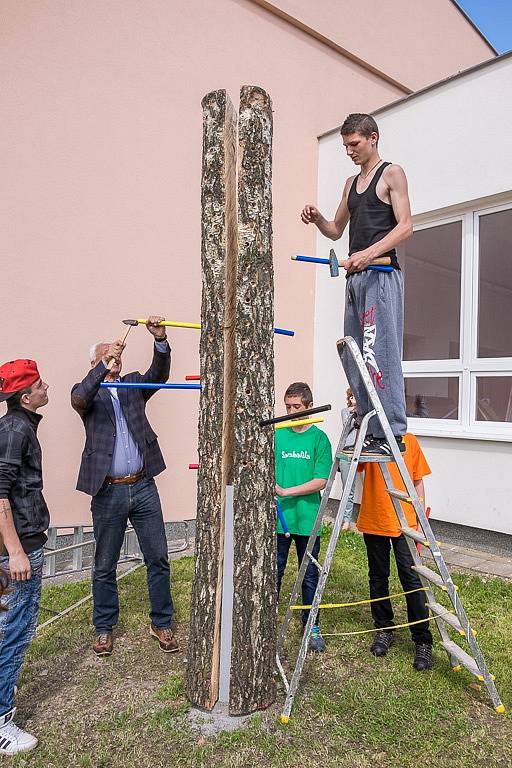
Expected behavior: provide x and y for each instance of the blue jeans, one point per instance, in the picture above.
(111, 509)
(18, 626)
(350, 513)
(310, 577)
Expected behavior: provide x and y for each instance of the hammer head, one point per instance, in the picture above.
(130, 322)
(333, 264)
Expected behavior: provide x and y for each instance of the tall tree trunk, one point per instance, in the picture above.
(255, 594)
(237, 375)
(218, 259)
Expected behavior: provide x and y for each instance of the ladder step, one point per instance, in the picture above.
(314, 560)
(363, 458)
(449, 618)
(430, 575)
(402, 495)
(418, 536)
(465, 659)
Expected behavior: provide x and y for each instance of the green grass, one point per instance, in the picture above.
(351, 709)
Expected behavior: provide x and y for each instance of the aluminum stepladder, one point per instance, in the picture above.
(474, 661)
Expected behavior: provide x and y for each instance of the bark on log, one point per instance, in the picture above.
(218, 258)
(252, 684)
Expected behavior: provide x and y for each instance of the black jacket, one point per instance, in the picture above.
(95, 407)
(21, 476)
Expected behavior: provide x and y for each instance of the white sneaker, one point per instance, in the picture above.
(12, 738)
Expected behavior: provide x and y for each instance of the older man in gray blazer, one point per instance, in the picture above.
(120, 460)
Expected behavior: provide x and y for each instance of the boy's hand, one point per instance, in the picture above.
(280, 491)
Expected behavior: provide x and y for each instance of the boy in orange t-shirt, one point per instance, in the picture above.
(381, 529)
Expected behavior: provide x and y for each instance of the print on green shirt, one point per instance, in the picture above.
(300, 457)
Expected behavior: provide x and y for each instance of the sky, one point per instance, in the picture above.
(493, 18)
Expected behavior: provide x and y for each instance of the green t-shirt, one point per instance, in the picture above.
(300, 457)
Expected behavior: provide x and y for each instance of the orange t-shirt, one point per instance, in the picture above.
(377, 514)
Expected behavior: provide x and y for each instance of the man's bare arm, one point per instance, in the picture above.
(331, 229)
(399, 196)
(420, 490)
(19, 564)
(312, 486)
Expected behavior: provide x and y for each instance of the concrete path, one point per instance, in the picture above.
(473, 560)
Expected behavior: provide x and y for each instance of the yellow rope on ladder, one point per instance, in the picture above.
(385, 629)
(358, 602)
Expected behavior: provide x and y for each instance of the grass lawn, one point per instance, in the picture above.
(351, 710)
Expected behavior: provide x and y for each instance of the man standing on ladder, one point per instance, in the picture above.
(376, 203)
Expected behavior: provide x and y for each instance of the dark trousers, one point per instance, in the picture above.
(111, 509)
(310, 577)
(378, 549)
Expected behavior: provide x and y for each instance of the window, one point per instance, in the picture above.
(458, 324)
(431, 262)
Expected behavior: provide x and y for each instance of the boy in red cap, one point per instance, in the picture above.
(24, 519)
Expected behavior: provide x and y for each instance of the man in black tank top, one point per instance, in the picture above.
(375, 204)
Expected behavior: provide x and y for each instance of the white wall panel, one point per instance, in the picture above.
(454, 144)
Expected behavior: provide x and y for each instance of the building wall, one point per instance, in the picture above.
(381, 33)
(452, 154)
(101, 160)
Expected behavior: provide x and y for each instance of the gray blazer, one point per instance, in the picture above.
(95, 408)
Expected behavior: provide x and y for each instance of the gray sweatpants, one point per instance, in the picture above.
(374, 317)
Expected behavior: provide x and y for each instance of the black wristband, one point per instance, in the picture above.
(164, 338)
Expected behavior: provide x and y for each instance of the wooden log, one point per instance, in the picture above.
(252, 684)
(218, 258)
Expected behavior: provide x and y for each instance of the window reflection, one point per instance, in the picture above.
(431, 261)
(432, 397)
(494, 398)
(495, 285)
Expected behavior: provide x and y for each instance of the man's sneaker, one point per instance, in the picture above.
(382, 643)
(103, 644)
(366, 442)
(379, 446)
(423, 657)
(166, 639)
(316, 642)
(12, 738)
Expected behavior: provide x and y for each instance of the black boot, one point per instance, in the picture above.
(382, 643)
(423, 657)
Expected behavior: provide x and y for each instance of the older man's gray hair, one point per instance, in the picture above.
(93, 351)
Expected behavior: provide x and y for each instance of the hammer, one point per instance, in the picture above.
(381, 264)
(173, 323)
(130, 324)
(197, 326)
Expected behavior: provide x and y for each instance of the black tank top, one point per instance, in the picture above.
(370, 218)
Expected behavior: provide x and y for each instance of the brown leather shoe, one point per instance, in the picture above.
(103, 644)
(166, 639)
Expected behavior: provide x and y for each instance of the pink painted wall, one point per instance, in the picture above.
(414, 41)
(100, 206)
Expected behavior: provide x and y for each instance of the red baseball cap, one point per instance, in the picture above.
(16, 375)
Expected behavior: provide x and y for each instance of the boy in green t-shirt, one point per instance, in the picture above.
(303, 463)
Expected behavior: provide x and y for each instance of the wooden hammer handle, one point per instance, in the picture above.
(383, 261)
(111, 361)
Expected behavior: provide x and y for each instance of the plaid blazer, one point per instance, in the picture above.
(95, 408)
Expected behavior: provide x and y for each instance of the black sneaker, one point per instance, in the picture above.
(423, 657)
(366, 442)
(379, 446)
(382, 643)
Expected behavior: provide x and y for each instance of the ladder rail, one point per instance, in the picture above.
(296, 589)
(331, 547)
(351, 345)
(456, 654)
(412, 547)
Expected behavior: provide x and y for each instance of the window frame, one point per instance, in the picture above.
(468, 366)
